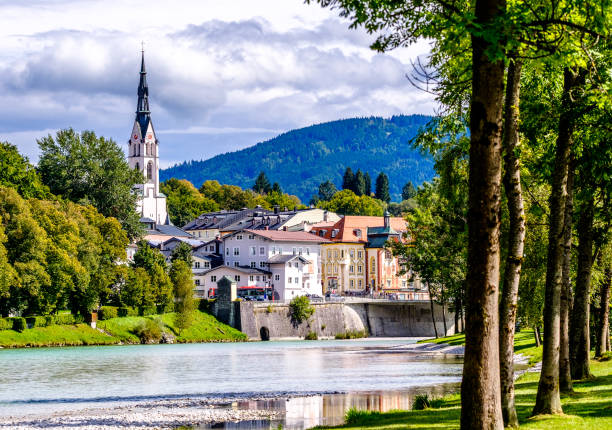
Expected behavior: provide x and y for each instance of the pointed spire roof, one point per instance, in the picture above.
(143, 113)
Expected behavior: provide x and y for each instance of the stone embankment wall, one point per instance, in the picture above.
(388, 319)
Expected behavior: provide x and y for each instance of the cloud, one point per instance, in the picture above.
(232, 79)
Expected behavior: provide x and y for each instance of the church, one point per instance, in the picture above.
(143, 154)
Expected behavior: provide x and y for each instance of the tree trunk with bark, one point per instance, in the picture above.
(604, 314)
(516, 240)
(536, 335)
(480, 387)
(580, 343)
(548, 399)
(431, 305)
(565, 375)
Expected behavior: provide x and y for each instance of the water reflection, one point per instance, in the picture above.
(328, 409)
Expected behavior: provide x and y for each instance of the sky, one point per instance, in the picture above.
(223, 75)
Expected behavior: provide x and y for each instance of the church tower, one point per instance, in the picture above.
(143, 154)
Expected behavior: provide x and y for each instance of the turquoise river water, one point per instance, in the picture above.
(316, 376)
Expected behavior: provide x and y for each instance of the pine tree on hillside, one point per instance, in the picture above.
(348, 179)
(276, 188)
(408, 191)
(359, 184)
(382, 188)
(368, 184)
(262, 184)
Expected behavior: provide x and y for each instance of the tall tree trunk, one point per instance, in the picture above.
(480, 387)
(565, 375)
(548, 399)
(456, 317)
(536, 335)
(431, 305)
(516, 240)
(444, 319)
(602, 329)
(580, 344)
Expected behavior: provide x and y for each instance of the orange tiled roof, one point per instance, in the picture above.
(348, 226)
(288, 236)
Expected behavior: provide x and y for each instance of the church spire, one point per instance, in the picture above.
(143, 114)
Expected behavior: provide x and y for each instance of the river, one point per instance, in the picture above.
(304, 379)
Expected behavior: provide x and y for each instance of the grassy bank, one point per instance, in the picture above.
(205, 328)
(588, 408)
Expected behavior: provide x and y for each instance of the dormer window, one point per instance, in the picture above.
(357, 232)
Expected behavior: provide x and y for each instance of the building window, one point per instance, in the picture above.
(352, 283)
(253, 264)
(237, 278)
(336, 253)
(227, 263)
(288, 264)
(196, 264)
(211, 248)
(352, 269)
(329, 253)
(262, 250)
(359, 254)
(262, 264)
(253, 250)
(296, 265)
(359, 282)
(294, 251)
(329, 269)
(372, 265)
(258, 278)
(335, 268)
(238, 237)
(273, 250)
(307, 251)
(251, 278)
(277, 277)
(197, 282)
(300, 251)
(289, 280)
(206, 265)
(150, 171)
(360, 269)
(213, 279)
(280, 249)
(236, 264)
(297, 281)
(352, 253)
(226, 251)
(251, 236)
(236, 251)
(342, 254)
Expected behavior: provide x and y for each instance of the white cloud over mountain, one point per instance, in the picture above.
(222, 75)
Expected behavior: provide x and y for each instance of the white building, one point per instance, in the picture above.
(143, 155)
(292, 259)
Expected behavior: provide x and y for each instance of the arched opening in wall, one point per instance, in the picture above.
(150, 170)
(264, 333)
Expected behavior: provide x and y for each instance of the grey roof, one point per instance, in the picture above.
(171, 230)
(254, 219)
(281, 259)
(244, 269)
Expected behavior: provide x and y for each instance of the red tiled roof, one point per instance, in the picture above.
(288, 236)
(348, 226)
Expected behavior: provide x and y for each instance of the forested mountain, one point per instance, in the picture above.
(300, 160)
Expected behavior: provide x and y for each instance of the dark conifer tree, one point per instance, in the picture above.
(348, 179)
(359, 184)
(382, 188)
(262, 184)
(368, 184)
(276, 188)
(408, 191)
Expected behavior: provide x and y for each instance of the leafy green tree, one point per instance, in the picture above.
(408, 191)
(184, 304)
(85, 168)
(8, 276)
(183, 253)
(382, 188)
(185, 202)
(262, 184)
(17, 172)
(348, 180)
(327, 190)
(347, 203)
(154, 263)
(136, 292)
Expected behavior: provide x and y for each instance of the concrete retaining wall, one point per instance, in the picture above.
(389, 319)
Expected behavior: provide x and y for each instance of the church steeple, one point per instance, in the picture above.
(143, 113)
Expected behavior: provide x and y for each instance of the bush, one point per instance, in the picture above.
(205, 305)
(19, 324)
(312, 335)
(149, 331)
(355, 417)
(36, 321)
(352, 334)
(107, 312)
(300, 309)
(127, 312)
(64, 319)
(421, 402)
(6, 324)
(148, 310)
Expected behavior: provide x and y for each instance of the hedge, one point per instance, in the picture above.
(148, 310)
(127, 312)
(205, 305)
(37, 322)
(19, 324)
(107, 312)
(6, 324)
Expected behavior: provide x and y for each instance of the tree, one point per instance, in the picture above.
(347, 203)
(17, 172)
(85, 168)
(184, 304)
(382, 188)
(368, 184)
(359, 185)
(159, 290)
(262, 184)
(184, 201)
(327, 190)
(408, 191)
(348, 180)
(183, 253)
(276, 188)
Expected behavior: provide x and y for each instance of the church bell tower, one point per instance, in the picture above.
(143, 154)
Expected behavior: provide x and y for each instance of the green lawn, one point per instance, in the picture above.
(55, 335)
(588, 408)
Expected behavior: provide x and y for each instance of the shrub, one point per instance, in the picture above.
(6, 324)
(323, 326)
(107, 312)
(355, 417)
(36, 321)
(149, 331)
(352, 334)
(269, 309)
(300, 309)
(205, 305)
(19, 324)
(163, 309)
(312, 335)
(148, 310)
(127, 312)
(421, 402)
(64, 319)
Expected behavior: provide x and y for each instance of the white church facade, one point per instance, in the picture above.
(143, 155)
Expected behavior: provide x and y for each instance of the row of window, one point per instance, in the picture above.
(359, 283)
(204, 265)
(334, 267)
(252, 278)
(297, 280)
(335, 253)
(262, 250)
